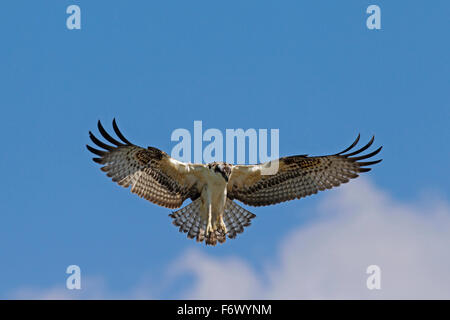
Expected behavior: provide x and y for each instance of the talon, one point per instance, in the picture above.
(224, 227)
(209, 229)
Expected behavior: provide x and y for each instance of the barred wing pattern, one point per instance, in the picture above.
(297, 176)
(150, 172)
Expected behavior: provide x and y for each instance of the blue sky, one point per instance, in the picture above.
(310, 69)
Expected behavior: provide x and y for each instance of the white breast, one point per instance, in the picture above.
(216, 190)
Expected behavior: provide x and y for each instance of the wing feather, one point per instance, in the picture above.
(298, 176)
(151, 173)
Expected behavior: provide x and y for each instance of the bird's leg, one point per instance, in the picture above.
(209, 227)
(224, 227)
(206, 198)
(220, 216)
(222, 224)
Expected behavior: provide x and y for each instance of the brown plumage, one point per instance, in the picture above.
(301, 176)
(212, 215)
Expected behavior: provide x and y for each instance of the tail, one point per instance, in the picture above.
(236, 218)
(190, 221)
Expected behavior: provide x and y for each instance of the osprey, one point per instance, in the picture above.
(212, 215)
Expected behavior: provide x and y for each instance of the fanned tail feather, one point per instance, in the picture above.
(189, 221)
(236, 218)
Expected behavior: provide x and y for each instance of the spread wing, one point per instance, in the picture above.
(297, 176)
(151, 173)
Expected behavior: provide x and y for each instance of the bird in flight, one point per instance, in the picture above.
(213, 188)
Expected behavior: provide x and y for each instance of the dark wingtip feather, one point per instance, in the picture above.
(107, 136)
(362, 166)
(361, 149)
(99, 143)
(369, 155)
(119, 134)
(95, 151)
(351, 146)
(369, 163)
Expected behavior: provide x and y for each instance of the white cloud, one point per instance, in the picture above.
(358, 226)
(91, 288)
(217, 278)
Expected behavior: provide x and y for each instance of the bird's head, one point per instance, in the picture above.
(221, 167)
